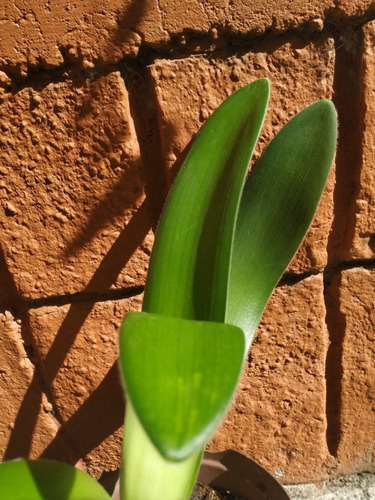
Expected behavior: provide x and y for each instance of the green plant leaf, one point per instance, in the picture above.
(180, 376)
(277, 207)
(189, 265)
(47, 480)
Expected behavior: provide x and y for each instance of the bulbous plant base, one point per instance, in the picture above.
(231, 472)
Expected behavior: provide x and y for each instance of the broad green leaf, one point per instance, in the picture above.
(180, 376)
(189, 265)
(47, 480)
(277, 207)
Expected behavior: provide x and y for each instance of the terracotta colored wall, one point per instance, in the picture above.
(98, 103)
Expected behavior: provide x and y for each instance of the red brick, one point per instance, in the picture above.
(356, 450)
(78, 346)
(279, 414)
(82, 33)
(363, 242)
(27, 424)
(71, 188)
(258, 15)
(90, 34)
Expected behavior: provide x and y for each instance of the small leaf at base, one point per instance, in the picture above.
(47, 480)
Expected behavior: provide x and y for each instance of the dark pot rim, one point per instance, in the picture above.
(238, 474)
(228, 470)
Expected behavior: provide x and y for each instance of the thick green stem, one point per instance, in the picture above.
(145, 474)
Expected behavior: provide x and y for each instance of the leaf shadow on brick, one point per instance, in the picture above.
(105, 137)
(102, 412)
(107, 210)
(108, 397)
(126, 190)
(97, 418)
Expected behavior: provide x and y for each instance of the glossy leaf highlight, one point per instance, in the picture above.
(189, 265)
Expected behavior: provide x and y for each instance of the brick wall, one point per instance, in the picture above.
(98, 104)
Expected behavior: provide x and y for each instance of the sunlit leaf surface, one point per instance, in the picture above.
(47, 480)
(180, 377)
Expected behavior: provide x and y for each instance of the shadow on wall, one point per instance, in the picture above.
(103, 411)
(107, 398)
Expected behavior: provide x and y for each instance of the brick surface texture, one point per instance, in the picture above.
(287, 363)
(99, 103)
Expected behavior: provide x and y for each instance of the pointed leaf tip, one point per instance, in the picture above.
(277, 206)
(189, 265)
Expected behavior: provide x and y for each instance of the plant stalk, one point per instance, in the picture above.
(145, 474)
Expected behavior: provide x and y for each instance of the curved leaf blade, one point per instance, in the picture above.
(180, 376)
(278, 204)
(189, 266)
(47, 480)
